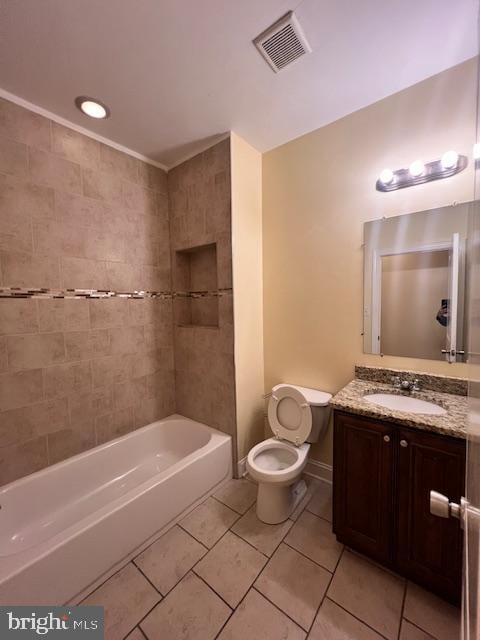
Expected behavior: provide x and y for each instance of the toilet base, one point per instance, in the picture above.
(276, 503)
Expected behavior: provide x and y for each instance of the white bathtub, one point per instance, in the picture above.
(67, 526)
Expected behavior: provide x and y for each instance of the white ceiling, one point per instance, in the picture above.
(177, 72)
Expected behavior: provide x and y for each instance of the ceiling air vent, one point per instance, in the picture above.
(283, 43)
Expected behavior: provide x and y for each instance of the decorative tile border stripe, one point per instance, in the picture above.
(19, 292)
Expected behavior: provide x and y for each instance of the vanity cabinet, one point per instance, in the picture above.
(383, 475)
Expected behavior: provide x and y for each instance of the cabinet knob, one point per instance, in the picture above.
(403, 443)
(386, 438)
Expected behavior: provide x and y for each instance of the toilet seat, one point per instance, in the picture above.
(289, 414)
(276, 461)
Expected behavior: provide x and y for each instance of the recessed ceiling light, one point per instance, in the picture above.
(92, 108)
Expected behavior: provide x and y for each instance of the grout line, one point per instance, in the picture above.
(146, 577)
(325, 594)
(311, 559)
(278, 608)
(212, 589)
(419, 628)
(402, 609)
(365, 624)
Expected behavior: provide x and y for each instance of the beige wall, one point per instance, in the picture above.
(318, 191)
(76, 214)
(248, 287)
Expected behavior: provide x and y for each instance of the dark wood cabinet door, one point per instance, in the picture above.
(363, 485)
(428, 548)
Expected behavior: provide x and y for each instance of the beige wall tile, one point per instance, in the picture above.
(140, 198)
(162, 405)
(102, 186)
(126, 339)
(20, 388)
(113, 425)
(20, 425)
(111, 370)
(26, 270)
(152, 177)
(69, 314)
(3, 355)
(35, 351)
(15, 231)
(18, 316)
(53, 171)
(85, 345)
(129, 393)
(124, 277)
(13, 158)
(85, 406)
(20, 460)
(74, 209)
(74, 146)
(80, 273)
(69, 442)
(24, 126)
(119, 164)
(26, 199)
(47, 238)
(109, 313)
(64, 379)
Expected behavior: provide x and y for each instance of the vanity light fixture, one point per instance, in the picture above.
(416, 168)
(92, 107)
(450, 163)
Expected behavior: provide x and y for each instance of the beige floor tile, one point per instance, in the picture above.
(411, 632)
(127, 597)
(264, 537)
(209, 521)
(135, 635)
(369, 593)
(168, 559)
(295, 584)
(231, 567)
(313, 537)
(239, 495)
(334, 623)
(191, 611)
(433, 615)
(258, 619)
(321, 502)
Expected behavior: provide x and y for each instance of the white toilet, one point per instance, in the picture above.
(297, 416)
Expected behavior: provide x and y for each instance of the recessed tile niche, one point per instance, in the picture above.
(196, 286)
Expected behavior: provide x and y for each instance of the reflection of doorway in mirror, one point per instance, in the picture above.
(414, 294)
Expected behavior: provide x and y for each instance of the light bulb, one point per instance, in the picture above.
(416, 168)
(449, 159)
(386, 177)
(476, 151)
(92, 108)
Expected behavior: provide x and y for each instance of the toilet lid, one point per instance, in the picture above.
(289, 414)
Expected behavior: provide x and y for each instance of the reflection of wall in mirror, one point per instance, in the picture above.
(413, 287)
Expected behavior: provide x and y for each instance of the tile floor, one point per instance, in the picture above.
(221, 573)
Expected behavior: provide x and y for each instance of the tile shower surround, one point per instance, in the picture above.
(76, 214)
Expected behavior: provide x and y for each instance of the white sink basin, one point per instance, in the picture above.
(405, 403)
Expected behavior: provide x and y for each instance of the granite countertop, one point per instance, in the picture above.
(453, 423)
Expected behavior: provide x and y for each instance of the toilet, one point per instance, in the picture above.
(297, 417)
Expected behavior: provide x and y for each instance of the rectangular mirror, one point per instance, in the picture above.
(414, 284)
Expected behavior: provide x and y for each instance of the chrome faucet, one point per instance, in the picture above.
(406, 385)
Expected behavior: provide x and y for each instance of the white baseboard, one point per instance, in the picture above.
(242, 467)
(319, 470)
